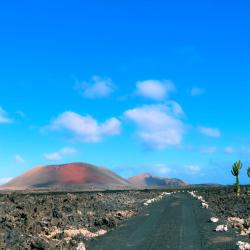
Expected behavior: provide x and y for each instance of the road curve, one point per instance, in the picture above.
(176, 222)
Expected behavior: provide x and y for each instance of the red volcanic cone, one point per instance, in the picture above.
(73, 174)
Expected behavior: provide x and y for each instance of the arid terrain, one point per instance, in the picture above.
(224, 202)
(48, 220)
(57, 220)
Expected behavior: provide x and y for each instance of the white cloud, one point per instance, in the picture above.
(97, 88)
(5, 180)
(154, 89)
(162, 169)
(68, 151)
(157, 125)
(209, 150)
(19, 159)
(4, 116)
(57, 156)
(85, 128)
(211, 132)
(195, 91)
(176, 108)
(229, 150)
(193, 169)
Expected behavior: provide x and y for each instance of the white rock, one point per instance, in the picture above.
(214, 219)
(146, 203)
(81, 246)
(79, 212)
(221, 228)
(204, 205)
(243, 245)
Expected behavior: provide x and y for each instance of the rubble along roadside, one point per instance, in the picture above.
(64, 220)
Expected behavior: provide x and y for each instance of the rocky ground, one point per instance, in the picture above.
(235, 211)
(224, 202)
(63, 220)
(60, 220)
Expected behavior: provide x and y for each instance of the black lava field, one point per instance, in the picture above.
(61, 220)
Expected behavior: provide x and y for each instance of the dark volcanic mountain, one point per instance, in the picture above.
(67, 175)
(148, 180)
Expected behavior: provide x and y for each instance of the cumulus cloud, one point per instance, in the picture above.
(158, 126)
(176, 108)
(193, 169)
(68, 151)
(195, 91)
(229, 150)
(154, 89)
(57, 156)
(85, 128)
(209, 150)
(5, 180)
(211, 132)
(162, 169)
(4, 116)
(97, 88)
(19, 159)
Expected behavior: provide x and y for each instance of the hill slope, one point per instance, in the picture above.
(147, 180)
(67, 175)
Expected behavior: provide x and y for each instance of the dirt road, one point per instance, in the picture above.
(177, 222)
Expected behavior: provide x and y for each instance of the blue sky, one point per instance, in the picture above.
(136, 86)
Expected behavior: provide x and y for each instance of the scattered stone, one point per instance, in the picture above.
(221, 228)
(204, 205)
(241, 224)
(214, 219)
(72, 232)
(157, 198)
(200, 198)
(236, 222)
(79, 212)
(58, 220)
(243, 245)
(245, 232)
(224, 203)
(81, 246)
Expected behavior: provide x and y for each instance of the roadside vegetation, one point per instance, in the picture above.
(235, 172)
(237, 166)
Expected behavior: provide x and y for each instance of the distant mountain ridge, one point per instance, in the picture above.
(84, 176)
(148, 180)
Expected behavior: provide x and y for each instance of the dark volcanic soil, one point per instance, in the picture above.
(57, 220)
(233, 210)
(224, 203)
(51, 221)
